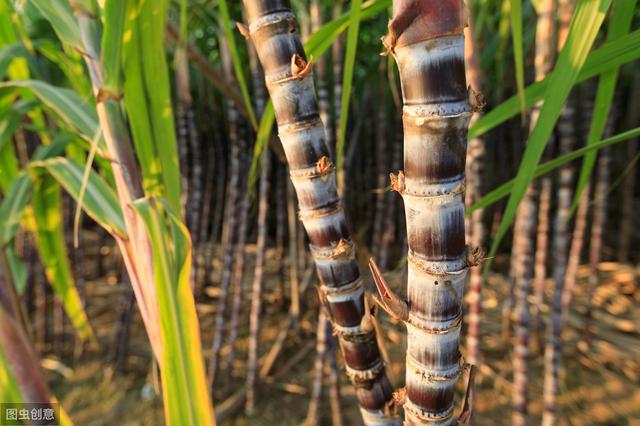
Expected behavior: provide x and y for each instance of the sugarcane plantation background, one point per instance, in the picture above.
(276, 212)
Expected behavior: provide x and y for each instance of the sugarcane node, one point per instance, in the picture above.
(476, 100)
(397, 182)
(80, 10)
(475, 256)
(299, 67)
(244, 30)
(104, 95)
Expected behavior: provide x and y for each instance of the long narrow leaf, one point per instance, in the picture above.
(237, 64)
(609, 56)
(100, 201)
(621, 15)
(582, 32)
(347, 81)
(505, 189)
(53, 253)
(183, 378)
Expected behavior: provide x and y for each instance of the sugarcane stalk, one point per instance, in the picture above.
(274, 31)
(229, 233)
(427, 41)
(540, 261)
(313, 415)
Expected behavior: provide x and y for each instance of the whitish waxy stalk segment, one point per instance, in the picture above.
(273, 29)
(426, 39)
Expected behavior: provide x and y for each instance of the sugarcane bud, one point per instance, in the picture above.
(400, 396)
(299, 67)
(343, 249)
(475, 256)
(106, 95)
(476, 100)
(397, 182)
(324, 165)
(244, 30)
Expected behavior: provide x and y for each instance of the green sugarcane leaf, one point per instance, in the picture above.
(72, 109)
(60, 15)
(184, 388)
(99, 202)
(8, 53)
(505, 189)
(582, 32)
(12, 207)
(237, 64)
(148, 99)
(610, 56)
(622, 13)
(112, 45)
(347, 82)
(47, 213)
(17, 268)
(516, 35)
(9, 390)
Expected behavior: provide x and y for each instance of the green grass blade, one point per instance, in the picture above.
(583, 30)
(347, 81)
(47, 214)
(518, 57)
(621, 15)
(100, 201)
(609, 56)
(237, 64)
(184, 388)
(505, 189)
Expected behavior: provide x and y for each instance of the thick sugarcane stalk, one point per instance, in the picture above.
(273, 29)
(476, 153)
(427, 41)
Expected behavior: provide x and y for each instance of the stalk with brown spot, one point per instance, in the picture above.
(274, 31)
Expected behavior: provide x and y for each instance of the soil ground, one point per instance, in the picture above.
(600, 373)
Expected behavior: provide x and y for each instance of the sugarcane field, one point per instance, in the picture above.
(314, 212)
